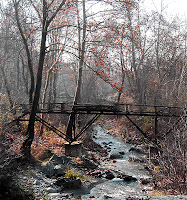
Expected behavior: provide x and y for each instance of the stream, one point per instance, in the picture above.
(117, 188)
(124, 184)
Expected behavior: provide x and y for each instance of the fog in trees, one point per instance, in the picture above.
(91, 52)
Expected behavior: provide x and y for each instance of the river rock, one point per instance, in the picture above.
(94, 137)
(128, 178)
(55, 195)
(109, 148)
(89, 164)
(146, 181)
(133, 158)
(48, 168)
(109, 175)
(59, 170)
(141, 149)
(51, 190)
(68, 183)
(115, 156)
(107, 197)
(95, 173)
(125, 177)
(135, 149)
(60, 159)
(37, 182)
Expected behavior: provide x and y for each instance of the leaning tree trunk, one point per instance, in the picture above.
(30, 130)
(26, 147)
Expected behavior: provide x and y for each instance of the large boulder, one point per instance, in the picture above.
(10, 189)
(48, 168)
(60, 159)
(68, 183)
(136, 150)
(59, 170)
(115, 155)
(128, 178)
(146, 181)
(88, 163)
(109, 175)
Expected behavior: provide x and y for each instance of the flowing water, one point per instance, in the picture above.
(116, 188)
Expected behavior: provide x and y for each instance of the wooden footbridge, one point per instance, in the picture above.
(96, 111)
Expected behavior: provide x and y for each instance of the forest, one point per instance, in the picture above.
(92, 52)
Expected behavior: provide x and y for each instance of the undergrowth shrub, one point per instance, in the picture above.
(122, 127)
(48, 140)
(10, 137)
(72, 173)
(168, 167)
(5, 111)
(172, 173)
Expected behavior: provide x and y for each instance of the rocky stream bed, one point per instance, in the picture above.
(107, 169)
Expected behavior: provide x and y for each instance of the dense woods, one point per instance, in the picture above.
(92, 52)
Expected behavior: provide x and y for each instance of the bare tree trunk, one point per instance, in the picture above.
(6, 86)
(133, 62)
(29, 60)
(82, 45)
(3, 73)
(18, 73)
(182, 75)
(122, 71)
(30, 130)
(81, 54)
(25, 79)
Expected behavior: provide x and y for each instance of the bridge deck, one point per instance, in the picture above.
(118, 109)
(97, 110)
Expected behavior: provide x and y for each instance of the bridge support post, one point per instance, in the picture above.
(71, 127)
(156, 124)
(73, 149)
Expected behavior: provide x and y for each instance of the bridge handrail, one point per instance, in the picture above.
(114, 104)
(128, 108)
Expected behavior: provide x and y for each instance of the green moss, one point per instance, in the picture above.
(73, 173)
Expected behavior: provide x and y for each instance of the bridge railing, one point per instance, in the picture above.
(152, 109)
(131, 109)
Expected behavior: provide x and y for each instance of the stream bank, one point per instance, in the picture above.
(124, 177)
(102, 172)
(130, 161)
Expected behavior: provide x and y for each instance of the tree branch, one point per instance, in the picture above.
(55, 13)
